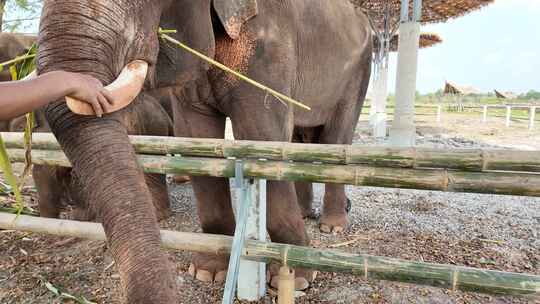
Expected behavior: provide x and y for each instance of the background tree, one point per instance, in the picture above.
(19, 15)
(2, 5)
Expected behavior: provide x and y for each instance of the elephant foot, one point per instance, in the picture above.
(209, 268)
(335, 221)
(302, 279)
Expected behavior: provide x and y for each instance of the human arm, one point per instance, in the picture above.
(20, 97)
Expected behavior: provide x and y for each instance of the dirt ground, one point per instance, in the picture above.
(484, 231)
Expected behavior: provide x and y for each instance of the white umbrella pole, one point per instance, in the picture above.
(403, 131)
(380, 95)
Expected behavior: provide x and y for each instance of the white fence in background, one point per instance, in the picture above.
(485, 109)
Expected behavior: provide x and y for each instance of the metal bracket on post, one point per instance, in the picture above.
(252, 275)
(239, 233)
(248, 277)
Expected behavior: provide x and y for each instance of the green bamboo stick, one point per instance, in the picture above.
(16, 60)
(360, 175)
(366, 266)
(476, 160)
(163, 35)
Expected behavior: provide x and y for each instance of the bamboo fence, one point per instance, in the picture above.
(509, 183)
(370, 267)
(475, 160)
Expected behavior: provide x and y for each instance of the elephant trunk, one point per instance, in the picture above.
(99, 150)
(105, 163)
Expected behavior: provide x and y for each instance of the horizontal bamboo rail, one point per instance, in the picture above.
(427, 179)
(477, 160)
(368, 266)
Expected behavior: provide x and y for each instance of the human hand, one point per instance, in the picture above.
(90, 90)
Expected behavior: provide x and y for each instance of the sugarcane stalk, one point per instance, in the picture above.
(16, 60)
(367, 266)
(278, 95)
(474, 160)
(360, 175)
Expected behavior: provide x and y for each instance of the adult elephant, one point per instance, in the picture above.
(316, 51)
(11, 46)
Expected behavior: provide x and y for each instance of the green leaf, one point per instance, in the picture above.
(5, 165)
(13, 72)
(64, 295)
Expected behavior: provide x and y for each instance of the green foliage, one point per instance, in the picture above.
(532, 94)
(20, 15)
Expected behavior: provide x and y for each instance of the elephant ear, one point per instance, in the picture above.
(234, 13)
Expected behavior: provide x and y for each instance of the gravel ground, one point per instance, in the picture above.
(484, 231)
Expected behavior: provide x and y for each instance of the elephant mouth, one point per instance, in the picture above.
(124, 89)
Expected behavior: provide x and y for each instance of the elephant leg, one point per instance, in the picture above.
(340, 129)
(256, 119)
(216, 217)
(83, 209)
(212, 194)
(304, 190)
(304, 195)
(49, 190)
(157, 185)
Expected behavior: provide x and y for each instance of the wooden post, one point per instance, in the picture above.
(286, 285)
(439, 113)
(532, 114)
(485, 112)
(252, 275)
(508, 115)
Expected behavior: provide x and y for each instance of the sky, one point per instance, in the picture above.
(497, 47)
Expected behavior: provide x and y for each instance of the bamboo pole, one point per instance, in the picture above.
(278, 95)
(477, 160)
(286, 285)
(360, 175)
(367, 266)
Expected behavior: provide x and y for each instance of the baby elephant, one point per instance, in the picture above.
(58, 187)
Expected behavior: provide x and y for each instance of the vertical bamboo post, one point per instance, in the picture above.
(485, 113)
(439, 113)
(532, 114)
(508, 115)
(286, 285)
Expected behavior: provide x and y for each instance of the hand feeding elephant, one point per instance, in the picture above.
(11, 46)
(315, 51)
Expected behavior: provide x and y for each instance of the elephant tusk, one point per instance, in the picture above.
(123, 90)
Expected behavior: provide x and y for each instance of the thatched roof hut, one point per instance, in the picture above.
(426, 40)
(505, 95)
(433, 11)
(454, 89)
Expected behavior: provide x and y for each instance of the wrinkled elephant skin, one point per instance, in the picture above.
(57, 188)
